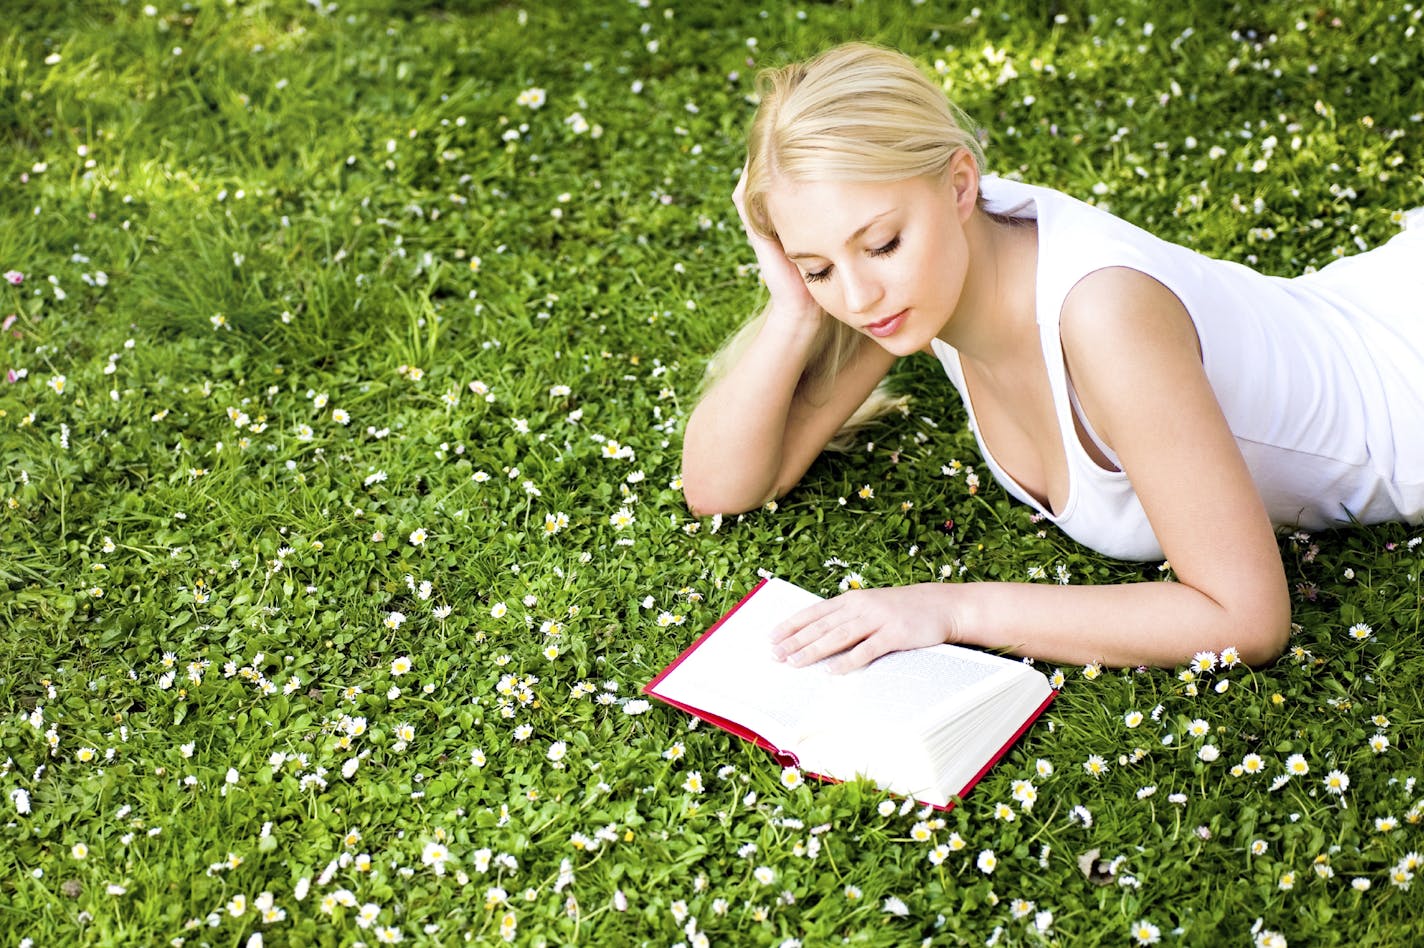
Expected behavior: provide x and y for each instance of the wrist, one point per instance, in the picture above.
(794, 324)
(965, 619)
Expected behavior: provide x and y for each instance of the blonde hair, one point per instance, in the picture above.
(858, 113)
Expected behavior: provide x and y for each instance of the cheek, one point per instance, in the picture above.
(941, 267)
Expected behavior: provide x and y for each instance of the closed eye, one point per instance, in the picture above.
(884, 250)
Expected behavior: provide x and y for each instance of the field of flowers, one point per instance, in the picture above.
(347, 351)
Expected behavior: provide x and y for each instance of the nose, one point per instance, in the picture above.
(862, 291)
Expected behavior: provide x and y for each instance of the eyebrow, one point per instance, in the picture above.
(849, 240)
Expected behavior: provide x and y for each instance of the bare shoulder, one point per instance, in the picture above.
(1128, 341)
(1118, 306)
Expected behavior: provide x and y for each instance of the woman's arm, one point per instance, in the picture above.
(1133, 355)
(756, 430)
(753, 434)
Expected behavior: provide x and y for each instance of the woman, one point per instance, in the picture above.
(1150, 401)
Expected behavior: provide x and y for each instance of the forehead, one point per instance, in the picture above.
(820, 216)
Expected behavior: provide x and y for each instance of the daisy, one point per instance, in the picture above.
(1145, 933)
(1337, 782)
(987, 862)
(435, 855)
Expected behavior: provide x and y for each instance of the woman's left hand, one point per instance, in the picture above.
(859, 626)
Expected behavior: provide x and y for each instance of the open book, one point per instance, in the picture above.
(926, 723)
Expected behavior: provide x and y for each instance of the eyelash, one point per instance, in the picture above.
(884, 250)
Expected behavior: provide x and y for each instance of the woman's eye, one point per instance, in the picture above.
(884, 250)
(819, 275)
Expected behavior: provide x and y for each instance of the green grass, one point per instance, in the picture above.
(202, 564)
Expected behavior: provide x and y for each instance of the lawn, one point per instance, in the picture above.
(348, 349)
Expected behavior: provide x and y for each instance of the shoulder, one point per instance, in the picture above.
(1116, 307)
(1128, 343)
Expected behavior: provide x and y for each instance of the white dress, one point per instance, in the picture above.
(1320, 377)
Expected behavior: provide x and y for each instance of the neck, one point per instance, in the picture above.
(996, 318)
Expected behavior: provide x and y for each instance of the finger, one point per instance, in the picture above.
(822, 639)
(870, 648)
(800, 620)
(807, 634)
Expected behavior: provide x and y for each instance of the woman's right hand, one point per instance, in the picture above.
(790, 297)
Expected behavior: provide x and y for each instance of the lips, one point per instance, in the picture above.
(886, 326)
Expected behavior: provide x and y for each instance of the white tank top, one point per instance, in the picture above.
(1321, 377)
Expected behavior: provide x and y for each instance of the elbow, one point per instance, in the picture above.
(700, 506)
(707, 506)
(704, 502)
(707, 500)
(1268, 631)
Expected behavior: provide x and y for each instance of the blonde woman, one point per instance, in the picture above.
(1150, 401)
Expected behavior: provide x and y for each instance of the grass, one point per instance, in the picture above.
(277, 660)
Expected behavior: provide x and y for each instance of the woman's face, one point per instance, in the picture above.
(887, 259)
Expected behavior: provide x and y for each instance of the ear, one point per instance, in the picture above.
(962, 178)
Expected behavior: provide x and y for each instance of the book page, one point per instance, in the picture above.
(908, 684)
(912, 720)
(733, 674)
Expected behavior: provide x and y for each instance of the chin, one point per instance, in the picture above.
(901, 345)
